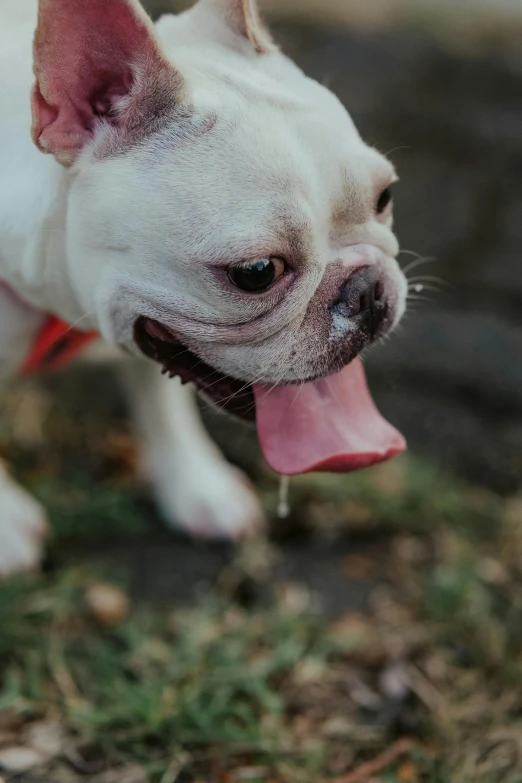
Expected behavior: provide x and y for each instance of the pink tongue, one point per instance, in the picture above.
(328, 425)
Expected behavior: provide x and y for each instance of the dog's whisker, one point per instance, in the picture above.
(75, 324)
(418, 262)
(397, 149)
(214, 372)
(187, 350)
(271, 389)
(247, 384)
(299, 391)
(429, 279)
(402, 251)
(221, 405)
(334, 395)
(418, 288)
(225, 400)
(217, 407)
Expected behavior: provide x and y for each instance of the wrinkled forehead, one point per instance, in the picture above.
(308, 151)
(265, 161)
(302, 140)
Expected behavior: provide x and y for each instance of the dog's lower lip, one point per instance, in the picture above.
(159, 343)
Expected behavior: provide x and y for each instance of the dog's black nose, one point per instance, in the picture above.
(363, 296)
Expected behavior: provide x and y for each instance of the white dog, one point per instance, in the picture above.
(203, 203)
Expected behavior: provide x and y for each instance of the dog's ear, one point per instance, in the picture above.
(242, 17)
(96, 59)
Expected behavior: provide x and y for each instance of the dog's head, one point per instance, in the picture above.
(224, 215)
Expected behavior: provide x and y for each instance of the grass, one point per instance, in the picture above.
(251, 681)
(156, 686)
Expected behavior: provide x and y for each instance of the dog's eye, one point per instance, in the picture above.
(384, 199)
(258, 276)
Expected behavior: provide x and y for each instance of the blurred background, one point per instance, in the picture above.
(377, 634)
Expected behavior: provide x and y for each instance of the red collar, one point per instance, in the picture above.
(55, 345)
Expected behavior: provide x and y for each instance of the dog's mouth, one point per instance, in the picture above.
(331, 424)
(227, 393)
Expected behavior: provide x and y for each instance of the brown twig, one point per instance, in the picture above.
(366, 771)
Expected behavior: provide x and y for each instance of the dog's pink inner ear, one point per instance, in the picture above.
(88, 56)
(243, 17)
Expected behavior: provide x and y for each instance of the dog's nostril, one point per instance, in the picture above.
(363, 296)
(378, 291)
(365, 302)
(357, 307)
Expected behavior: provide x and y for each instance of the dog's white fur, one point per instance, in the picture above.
(254, 160)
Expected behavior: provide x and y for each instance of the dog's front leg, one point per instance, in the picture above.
(197, 490)
(22, 528)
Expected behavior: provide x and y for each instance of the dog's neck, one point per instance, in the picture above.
(33, 258)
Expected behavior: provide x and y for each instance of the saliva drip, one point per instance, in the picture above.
(283, 508)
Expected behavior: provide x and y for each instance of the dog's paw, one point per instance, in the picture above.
(23, 528)
(214, 501)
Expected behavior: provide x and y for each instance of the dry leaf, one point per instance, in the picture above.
(308, 671)
(293, 597)
(20, 759)
(352, 631)
(108, 604)
(492, 571)
(338, 726)
(408, 773)
(46, 738)
(394, 681)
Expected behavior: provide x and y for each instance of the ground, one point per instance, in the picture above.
(375, 636)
